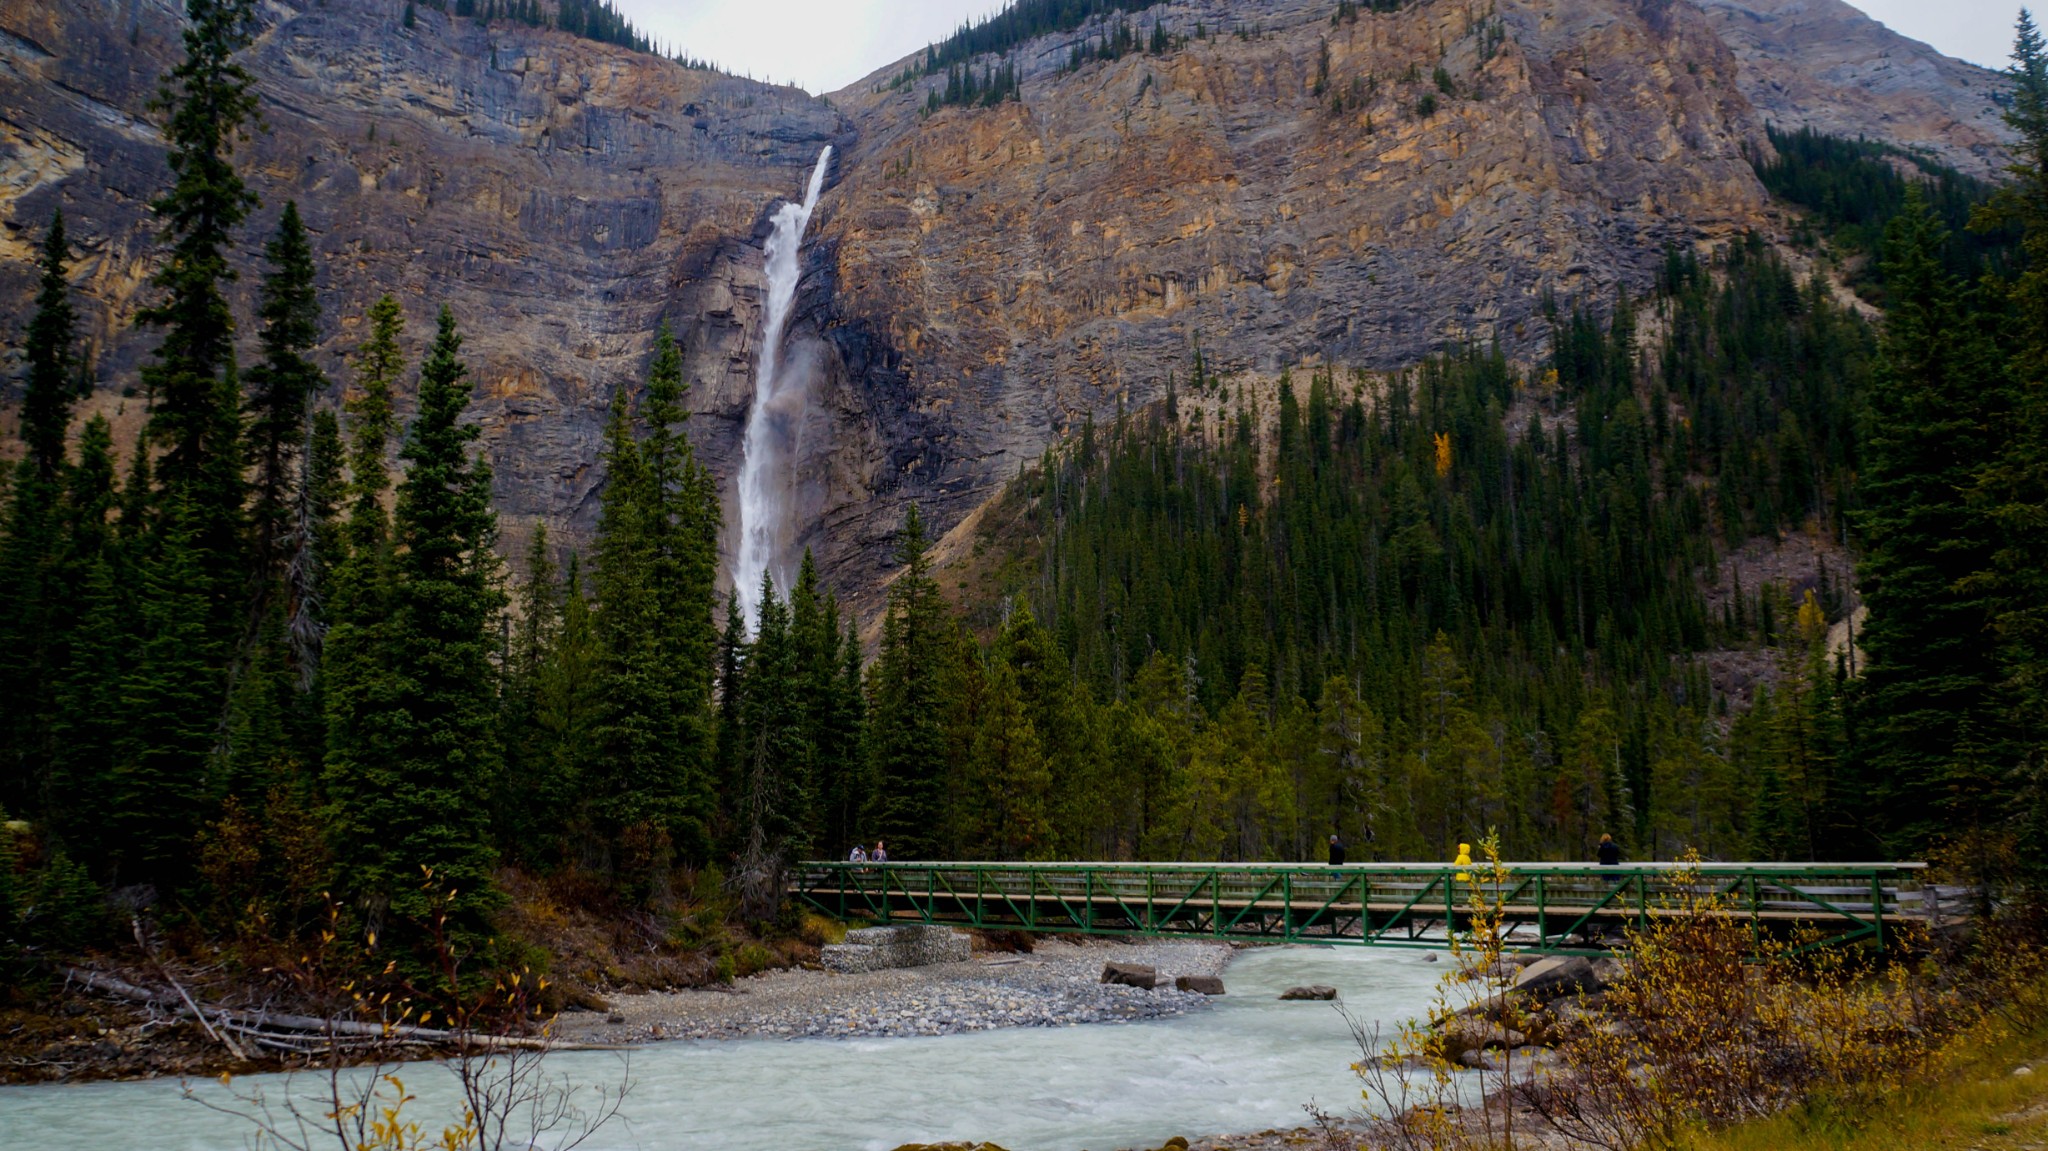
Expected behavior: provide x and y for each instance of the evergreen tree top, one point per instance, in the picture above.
(50, 349)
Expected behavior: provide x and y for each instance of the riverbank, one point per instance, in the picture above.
(1056, 984)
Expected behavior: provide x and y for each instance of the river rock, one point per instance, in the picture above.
(1558, 975)
(1312, 991)
(1466, 1035)
(1200, 984)
(1131, 975)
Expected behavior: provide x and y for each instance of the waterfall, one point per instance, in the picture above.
(780, 397)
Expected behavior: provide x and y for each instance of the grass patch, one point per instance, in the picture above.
(1979, 1103)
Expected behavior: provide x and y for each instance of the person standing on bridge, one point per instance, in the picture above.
(859, 854)
(880, 854)
(1610, 852)
(1336, 851)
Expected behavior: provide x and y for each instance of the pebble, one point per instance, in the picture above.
(1056, 986)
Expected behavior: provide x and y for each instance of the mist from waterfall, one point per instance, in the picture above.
(767, 484)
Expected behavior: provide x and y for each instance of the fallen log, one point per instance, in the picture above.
(258, 1022)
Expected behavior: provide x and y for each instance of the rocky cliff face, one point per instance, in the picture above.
(1277, 189)
(1283, 197)
(1825, 65)
(563, 197)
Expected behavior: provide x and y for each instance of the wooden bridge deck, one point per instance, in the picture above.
(1547, 906)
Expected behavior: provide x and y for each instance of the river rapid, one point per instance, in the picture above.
(1247, 1063)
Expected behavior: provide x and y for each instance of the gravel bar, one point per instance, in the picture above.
(1054, 986)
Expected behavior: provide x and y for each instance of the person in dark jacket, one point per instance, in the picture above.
(1336, 851)
(1610, 852)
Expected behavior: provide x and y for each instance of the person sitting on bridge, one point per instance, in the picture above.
(1610, 852)
(880, 853)
(859, 854)
(1336, 851)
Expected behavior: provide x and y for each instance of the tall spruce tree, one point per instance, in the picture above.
(533, 649)
(415, 756)
(906, 730)
(170, 707)
(655, 553)
(51, 349)
(281, 387)
(31, 627)
(2015, 485)
(773, 755)
(195, 401)
(1931, 690)
(354, 679)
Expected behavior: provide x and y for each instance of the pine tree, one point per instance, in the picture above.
(414, 755)
(1931, 676)
(195, 403)
(281, 387)
(1010, 815)
(656, 566)
(568, 710)
(170, 704)
(355, 679)
(32, 627)
(2014, 488)
(1071, 744)
(86, 715)
(906, 730)
(773, 755)
(534, 649)
(51, 350)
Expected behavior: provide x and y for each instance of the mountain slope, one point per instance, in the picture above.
(1824, 65)
(561, 195)
(1274, 186)
(1274, 204)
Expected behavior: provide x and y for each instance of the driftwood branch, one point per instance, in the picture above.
(234, 1048)
(276, 1030)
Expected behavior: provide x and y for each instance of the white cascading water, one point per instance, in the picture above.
(766, 485)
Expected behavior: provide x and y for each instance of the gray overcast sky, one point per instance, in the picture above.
(824, 45)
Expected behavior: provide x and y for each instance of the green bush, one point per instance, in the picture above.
(754, 959)
(54, 907)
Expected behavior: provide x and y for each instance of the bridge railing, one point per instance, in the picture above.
(1552, 906)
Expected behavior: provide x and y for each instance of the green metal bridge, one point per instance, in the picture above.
(1545, 906)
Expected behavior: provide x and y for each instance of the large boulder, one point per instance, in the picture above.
(1465, 1035)
(1201, 984)
(1558, 975)
(1312, 991)
(1131, 975)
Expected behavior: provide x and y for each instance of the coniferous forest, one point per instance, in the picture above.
(266, 665)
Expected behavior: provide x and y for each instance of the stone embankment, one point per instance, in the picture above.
(1057, 984)
(882, 948)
